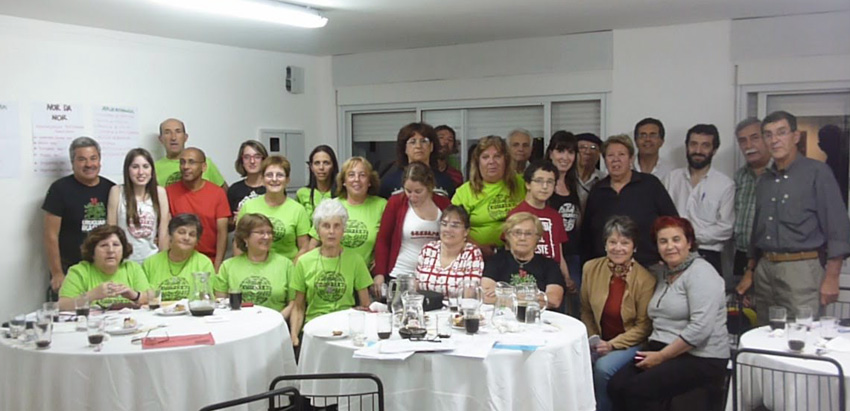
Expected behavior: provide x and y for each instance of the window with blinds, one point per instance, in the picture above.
(577, 116)
(383, 126)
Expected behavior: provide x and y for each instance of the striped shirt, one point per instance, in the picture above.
(745, 206)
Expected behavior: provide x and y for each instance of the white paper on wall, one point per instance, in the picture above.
(117, 131)
(54, 126)
(10, 140)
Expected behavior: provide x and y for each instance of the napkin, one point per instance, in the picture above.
(378, 307)
(840, 344)
(373, 352)
(178, 341)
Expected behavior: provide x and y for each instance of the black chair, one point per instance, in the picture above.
(811, 390)
(275, 398)
(352, 399)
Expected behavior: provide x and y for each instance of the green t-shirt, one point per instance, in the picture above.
(361, 231)
(303, 196)
(84, 277)
(168, 172)
(265, 283)
(329, 283)
(289, 221)
(175, 279)
(488, 209)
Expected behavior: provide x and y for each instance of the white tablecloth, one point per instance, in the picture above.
(556, 376)
(776, 394)
(251, 348)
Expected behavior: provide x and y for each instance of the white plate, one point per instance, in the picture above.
(328, 335)
(120, 330)
(169, 313)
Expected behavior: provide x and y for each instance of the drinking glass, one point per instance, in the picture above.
(828, 328)
(53, 308)
(453, 295)
(82, 306)
(471, 320)
(796, 336)
(444, 325)
(154, 298)
(44, 329)
(532, 313)
(384, 325)
(804, 316)
(357, 327)
(17, 325)
(235, 294)
(95, 328)
(778, 316)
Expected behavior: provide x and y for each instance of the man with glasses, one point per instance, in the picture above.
(172, 136)
(416, 142)
(519, 148)
(192, 194)
(589, 174)
(800, 220)
(649, 137)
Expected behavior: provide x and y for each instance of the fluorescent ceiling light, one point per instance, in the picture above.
(263, 10)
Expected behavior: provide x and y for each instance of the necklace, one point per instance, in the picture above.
(171, 266)
(322, 262)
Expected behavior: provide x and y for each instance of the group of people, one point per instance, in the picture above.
(608, 248)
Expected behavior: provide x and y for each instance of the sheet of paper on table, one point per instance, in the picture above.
(398, 346)
(478, 347)
(373, 352)
(839, 344)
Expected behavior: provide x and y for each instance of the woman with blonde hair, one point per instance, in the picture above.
(492, 191)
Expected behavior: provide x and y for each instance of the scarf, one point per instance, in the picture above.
(620, 270)
(668, 272)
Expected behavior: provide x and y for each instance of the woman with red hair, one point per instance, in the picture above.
(689, 346)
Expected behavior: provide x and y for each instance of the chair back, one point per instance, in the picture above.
(348, 391)
(841, 308)
(286, 398)
(780, 381)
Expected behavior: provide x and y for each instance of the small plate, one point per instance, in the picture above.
(328, 335)
(120, 330)
(170, 313)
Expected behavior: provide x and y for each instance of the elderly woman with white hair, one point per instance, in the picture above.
(320, 283)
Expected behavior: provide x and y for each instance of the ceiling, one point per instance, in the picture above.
(357, 26)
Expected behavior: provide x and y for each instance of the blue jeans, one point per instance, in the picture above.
(605, 367)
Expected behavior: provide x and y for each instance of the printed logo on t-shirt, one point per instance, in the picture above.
(330, 286)
(522, 277)
(256, 289)
(252, 195)
(94, 215)
(499, 206)
(279, 228)
(174, 288)
(545, 245)
(173, 178)
(355, 234)
(145, 228)
(428, 234)
(569, 213)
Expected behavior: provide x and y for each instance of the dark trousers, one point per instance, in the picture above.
(740, 265)
(634, 389)
(713, 257)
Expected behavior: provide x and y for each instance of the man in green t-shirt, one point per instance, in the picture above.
(172, 136)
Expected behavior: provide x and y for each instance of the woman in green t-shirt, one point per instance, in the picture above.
(323, 171)
(104, 277)
(290, 222)
(492, 191)
(171, 270)
(326, 278)
(357, 191)
(261, 275)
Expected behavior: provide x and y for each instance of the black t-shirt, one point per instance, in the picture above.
(391, 183)
(503, 267)
(568, 208)
(82, 208)
(239, 193)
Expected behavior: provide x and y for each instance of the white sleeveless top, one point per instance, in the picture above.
(415, 233)
(143, 236)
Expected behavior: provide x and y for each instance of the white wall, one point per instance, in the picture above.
(223, 94)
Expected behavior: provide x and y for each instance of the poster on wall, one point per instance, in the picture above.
(10, 140)
(117, 131)
(54, 126)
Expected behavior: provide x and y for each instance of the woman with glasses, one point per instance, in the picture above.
(410, 220)
(248, 162)
(445, 263)
(260, 274)
(289, 219)
(520, 264)
(140, 206)
(492, 191)
(416, 142)
(323, 171)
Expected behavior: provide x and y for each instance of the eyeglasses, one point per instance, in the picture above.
(454, 225)
(543, 182)
(414, 141)
(249, 157)
(264, 233)
(591, 147)
(273, 175)
(523, 233)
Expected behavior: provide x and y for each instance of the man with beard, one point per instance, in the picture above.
(74, 205)
(702, 195)
(194, 195)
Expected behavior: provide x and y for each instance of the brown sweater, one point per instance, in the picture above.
(640, 285)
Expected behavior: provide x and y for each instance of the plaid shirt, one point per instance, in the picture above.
(745, 206)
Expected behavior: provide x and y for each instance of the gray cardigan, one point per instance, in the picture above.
(693, 307)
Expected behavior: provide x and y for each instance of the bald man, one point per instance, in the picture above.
(172, 136)
(194, 195)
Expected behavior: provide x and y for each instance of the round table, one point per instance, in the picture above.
(252, 346)
(556, 376)
(757, 389)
